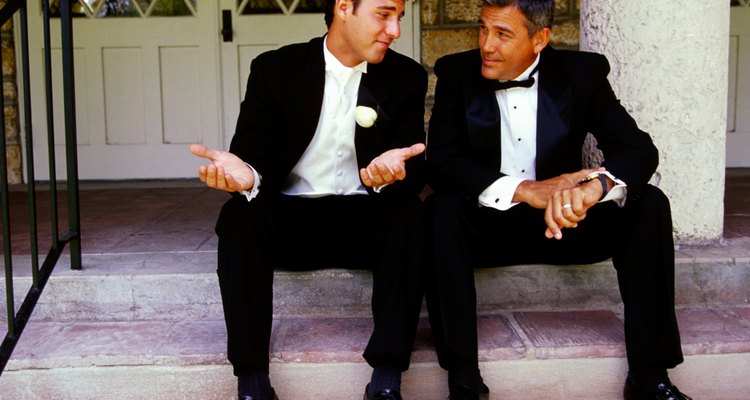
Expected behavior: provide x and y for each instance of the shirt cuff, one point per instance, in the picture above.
(618, 193)
(253, 192)
(499, 195)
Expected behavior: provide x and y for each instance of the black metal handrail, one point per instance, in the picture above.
(17, 320)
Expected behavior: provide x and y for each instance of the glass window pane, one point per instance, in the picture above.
(171, 8)
(116, 8)
(260, 7)
(272, 7)
(77, 9)
(310, 7)
(126, 8)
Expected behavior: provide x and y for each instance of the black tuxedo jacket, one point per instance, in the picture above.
(575, 98)
(280, 112)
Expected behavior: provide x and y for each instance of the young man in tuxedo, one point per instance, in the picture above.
(325, 167)
(504, 161)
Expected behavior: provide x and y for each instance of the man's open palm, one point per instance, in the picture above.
(227, 172)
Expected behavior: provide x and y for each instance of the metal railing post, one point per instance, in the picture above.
(71, 141)
(30, 180)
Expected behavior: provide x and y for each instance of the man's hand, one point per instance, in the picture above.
(390, 166)
(227, 172)
(567, 207)
(538, 193)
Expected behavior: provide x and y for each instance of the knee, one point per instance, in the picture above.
(237, 215)
(653, 198)
(651, 204)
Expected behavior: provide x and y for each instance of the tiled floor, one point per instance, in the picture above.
(179, 216)
(127, 218)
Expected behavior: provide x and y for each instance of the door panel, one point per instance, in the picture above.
(146, 86)
(738, 119)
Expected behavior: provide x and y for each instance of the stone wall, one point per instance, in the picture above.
(10, 96)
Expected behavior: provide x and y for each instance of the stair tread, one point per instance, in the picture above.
(204, 261)
(516, 335)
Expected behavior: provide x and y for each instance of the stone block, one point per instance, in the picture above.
(429, 12)
(438, 42)
(566, 34)
(462, 11)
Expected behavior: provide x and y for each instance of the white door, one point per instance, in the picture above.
(738, 119)
(260, 26)
(147, 85)
(152, 76)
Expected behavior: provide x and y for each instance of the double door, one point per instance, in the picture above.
(153, 76)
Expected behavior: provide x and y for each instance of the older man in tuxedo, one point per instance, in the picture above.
(504, 159)
(325, 167)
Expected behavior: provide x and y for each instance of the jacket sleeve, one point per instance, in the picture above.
(254, 139)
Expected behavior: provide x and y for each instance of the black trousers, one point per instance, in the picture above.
(638, 237)
(376, 232)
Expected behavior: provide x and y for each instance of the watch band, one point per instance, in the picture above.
(602, 179)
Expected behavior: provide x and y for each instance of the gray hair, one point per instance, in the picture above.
(538, 13)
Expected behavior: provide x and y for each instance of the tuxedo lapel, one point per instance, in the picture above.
(373, 93)
(308, 95)
(366, 98)
(553, 118)
(483, 121)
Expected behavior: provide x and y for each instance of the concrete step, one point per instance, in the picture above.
(524, 355)
(183, 285)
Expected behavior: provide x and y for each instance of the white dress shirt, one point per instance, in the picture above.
(518, 123)
(329, 164)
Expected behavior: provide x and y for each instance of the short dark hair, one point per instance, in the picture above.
(538, 13)
(329, 10)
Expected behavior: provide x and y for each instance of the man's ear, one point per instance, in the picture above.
(342, 7)
(541, 39)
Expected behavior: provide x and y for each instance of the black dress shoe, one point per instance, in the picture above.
(273, 396)
(469, 393)
(385, 394)
(662, 391)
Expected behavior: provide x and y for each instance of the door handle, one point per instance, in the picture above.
(226, 25)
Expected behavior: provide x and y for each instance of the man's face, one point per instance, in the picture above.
(504, 42)
(369, 31)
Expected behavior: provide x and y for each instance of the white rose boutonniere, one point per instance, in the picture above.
(365, 116)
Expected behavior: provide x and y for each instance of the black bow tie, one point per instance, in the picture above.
(526, 83)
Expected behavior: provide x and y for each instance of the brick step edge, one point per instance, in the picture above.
(715, 377)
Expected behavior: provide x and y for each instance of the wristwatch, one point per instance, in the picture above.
(602, 179)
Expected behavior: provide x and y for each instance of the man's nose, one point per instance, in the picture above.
(487, 44)
(393, 28)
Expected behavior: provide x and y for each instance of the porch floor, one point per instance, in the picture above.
(179, 215)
